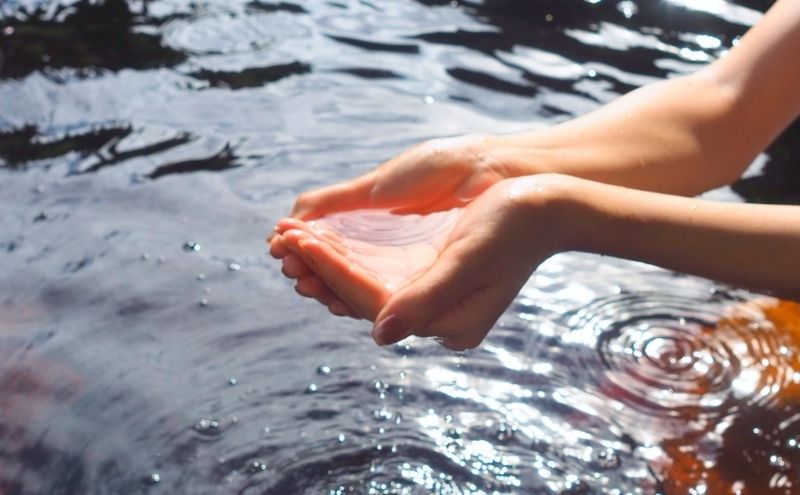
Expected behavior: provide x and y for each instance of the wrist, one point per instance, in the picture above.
(552, 211)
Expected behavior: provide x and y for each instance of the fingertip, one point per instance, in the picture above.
(277, 247)
(339, 308)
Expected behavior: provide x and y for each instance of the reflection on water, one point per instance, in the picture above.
(148, 345)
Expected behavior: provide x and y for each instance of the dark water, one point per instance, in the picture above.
(149, 345)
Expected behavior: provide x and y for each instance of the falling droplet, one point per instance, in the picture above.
(311, 388)
(323, 370)
(232, 381)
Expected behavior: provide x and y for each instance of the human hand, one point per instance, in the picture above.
(436, 175)
(379, 250)
(498, 240)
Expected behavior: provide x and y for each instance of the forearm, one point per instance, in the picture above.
(676, 136)
(754, 246)
(685, 135)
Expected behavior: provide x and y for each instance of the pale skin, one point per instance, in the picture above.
(616, 181)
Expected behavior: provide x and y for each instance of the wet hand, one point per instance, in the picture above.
(500, 238)
(433, 176)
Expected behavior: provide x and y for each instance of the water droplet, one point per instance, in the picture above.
(504, 432)
(311, 388)
(192, 246)
(201, 276)
(324, 370)
(548, 18)
(161, 259)
(234, 267)
(429, 99)
(448, 418)
(145, 256)
(210, 427)
(232, 381)
(591, 73)
(627, 8)
(382, 414)
(203, 302)
(256, 467)
(152, 479)
(340, 438)
(607, 459)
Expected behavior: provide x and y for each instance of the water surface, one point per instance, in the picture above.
(149, 345)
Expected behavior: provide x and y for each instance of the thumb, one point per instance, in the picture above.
(351, 195)
(411, 309)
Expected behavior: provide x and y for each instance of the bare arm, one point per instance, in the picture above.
(754, 246)
(681, 136)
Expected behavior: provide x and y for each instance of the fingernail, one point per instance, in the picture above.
(390, 330)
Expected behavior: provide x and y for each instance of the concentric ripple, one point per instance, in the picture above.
(383, 228)
(675, 356)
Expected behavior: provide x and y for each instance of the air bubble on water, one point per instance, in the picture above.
(256, 467)
(323, 370)
(232, 381)
(208, 427)
(591, 73)
(192, 246)
(607, 459)
(152, 479)
(234, 267)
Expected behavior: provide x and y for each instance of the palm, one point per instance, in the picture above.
(365, 256)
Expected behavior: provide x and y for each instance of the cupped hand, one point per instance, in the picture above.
(499, 239)
(436, 175)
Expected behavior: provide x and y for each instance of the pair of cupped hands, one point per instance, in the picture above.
(500, 235)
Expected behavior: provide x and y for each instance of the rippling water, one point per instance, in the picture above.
(148, 344)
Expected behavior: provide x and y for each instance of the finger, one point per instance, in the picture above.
(359, 290)
(277, 247)
(339, 308)
(313, 287)
(350, 195)
(286, 224)
(295, 267)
